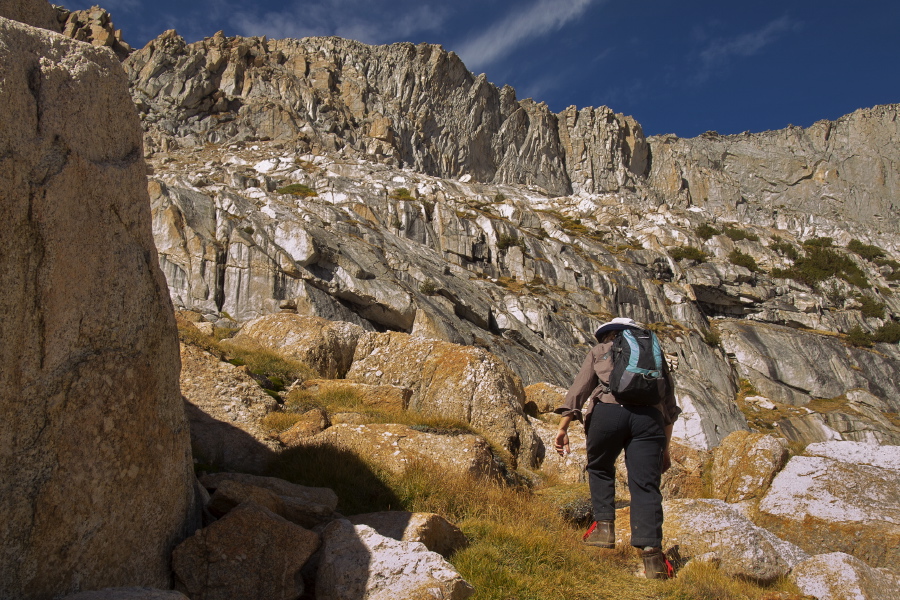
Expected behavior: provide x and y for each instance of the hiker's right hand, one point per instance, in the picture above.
(561, 444)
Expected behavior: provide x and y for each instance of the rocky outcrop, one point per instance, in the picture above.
(89, 383)
(326, 346)
(395, 448)
(404, 105)
(828, 504)
(357, 562)
(832, 177)
(455, 382)
(128, 594)
(95, 27)
(225, 405)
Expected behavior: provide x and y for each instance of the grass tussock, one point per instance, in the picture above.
(704, 581)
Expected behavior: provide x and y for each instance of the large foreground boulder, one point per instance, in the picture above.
(745, 464)
(825, 504)
(702, 526)
(96, 481)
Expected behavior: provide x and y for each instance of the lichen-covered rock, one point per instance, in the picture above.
(326, 346)
(457, 382)
(396, 447)
(96, 481)
(745, 464)
(357, 562)
(249, 553)
(437, 533)
(839, 576)
(700, 526)
(823, 504)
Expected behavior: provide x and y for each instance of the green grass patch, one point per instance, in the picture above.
(297, 189)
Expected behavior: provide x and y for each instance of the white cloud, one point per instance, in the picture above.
(369, 21)
(499, 40)
(721, 51)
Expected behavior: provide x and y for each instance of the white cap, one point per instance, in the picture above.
(617, 324)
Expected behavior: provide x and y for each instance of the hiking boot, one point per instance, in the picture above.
(656, 565)
(602, 534)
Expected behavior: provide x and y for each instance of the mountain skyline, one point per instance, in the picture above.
(682, 69)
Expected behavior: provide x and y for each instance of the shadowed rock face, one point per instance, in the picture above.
(93, 434)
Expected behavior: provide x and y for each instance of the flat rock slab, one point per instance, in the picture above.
(358, 562)
(822, 504)
(839, 576)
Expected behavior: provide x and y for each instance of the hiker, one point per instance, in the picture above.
(614, 424)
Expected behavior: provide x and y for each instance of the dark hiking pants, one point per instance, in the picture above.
(640, 431)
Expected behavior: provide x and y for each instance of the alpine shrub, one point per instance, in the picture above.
(706, 231)
(866, 251)
(689, 253)
(888, 333)
(736, 257)
(871, 307)
(297, 189)
(859, 338)
(736, 234)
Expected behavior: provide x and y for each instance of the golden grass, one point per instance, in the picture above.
(278, 421)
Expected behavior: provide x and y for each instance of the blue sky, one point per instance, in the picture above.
(677, 66)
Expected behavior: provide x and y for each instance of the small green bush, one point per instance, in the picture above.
(429, 287)
(859, 338)
(402, 194)
(507, 240)
(711, 337)
(866, 251)
(870, 307)
(706, 231)
(736, 257)
(888, 333)
(689, 253)
(819, 242)
(785, 249)
(297, 189)
(737, 234)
